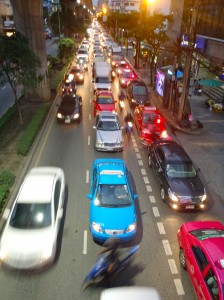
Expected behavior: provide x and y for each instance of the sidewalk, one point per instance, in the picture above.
(205, 145)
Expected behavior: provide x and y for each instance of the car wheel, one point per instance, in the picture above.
(149, 161)
(182, 259)
(162, 194)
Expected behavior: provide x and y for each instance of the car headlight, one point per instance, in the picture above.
(172, 196)
(3, 253)
(47, 252)
(119, 143)
(59, 115)
(81, 76)
(96, 227)
(123, 81)
(113, 63)
(204, 196)
(99, 143)
(131, 227)
(76, 116)
(85, 66)
(133, 100)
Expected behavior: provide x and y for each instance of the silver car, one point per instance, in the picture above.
(109, 132)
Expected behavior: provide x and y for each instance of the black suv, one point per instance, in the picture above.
(137, 93)
(179, 182)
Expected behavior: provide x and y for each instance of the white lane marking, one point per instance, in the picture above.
(152, 199)
(140, 162)
(149, 188)
(85, 242)
(134, 144)
(88, 140)
(161, 228)
(90, 116)
(143, 171)
(133, 139)
(173, 267)
(87, 176)
(90, 100)
(166, 246)
(138, 155)
(146, 180)
(156, 212)
(179, 287)
(136, 150)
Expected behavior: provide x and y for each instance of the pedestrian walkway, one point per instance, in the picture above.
(204, 145)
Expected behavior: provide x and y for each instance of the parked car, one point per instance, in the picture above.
(137, 93)
(70, 109)
(104, 101)
(29, 238)
(109, 135)
(126, 76)
(112, 201)
(150, 124)
(201, 254)
(79, 73)
(180, 184)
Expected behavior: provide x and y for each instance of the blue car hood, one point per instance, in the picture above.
(113, 218)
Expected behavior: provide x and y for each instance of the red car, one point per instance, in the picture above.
(122, 65)
(126, 76)
(150, 124)
(202, 254)
(104, 101)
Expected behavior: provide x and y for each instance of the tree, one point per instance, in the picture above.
(65, 48)
(18, 65)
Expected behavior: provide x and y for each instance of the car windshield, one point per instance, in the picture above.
(102, 80)
(82, 52)
(180, 170)
(139, 90)
(149, 118)
(112, 195)
(105, 100)
(108, 125)
(127, 75)
(203, 234)
(31, 215)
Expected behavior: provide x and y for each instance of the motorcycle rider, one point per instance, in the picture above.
(112, 249)
(128, 120)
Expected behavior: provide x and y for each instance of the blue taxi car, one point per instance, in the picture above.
(112, 207)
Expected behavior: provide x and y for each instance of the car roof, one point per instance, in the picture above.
(138, 82)
(38, 185)
(173, 152)
(107, 115)
(111, 171)
(104, 93)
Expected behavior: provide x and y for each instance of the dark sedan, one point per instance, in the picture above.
(70, 109)
(180, 185)
(79, 74)
(137, 93)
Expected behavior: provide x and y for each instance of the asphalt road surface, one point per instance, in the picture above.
(71, 147)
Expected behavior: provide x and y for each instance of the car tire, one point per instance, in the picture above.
(182, 259)
(162, 194)
(149, 161)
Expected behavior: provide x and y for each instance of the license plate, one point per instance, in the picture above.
(67, 121)
(189, 207)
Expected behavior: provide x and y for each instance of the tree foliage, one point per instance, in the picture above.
(65, 48)
(18, 64)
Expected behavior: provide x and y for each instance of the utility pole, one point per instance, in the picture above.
(187, 67)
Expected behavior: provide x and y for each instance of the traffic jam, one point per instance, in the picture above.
(111, 194)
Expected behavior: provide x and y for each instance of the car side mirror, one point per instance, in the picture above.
(94, 127)
(92, 81)
(135, 196)
(160, 170)
(6, 214)
(94, 100)
(122, 127)
(89, 196)
(60, 213)
(198, 170)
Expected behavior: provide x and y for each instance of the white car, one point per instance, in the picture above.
(130, 293)
(29, 238)
(109, 135)
(82, 53)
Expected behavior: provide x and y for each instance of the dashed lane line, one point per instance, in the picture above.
(161, 228)
(173, 267)
(167, 248)
(85, 242)
(179, 287)
(87, 176)
(156, 212)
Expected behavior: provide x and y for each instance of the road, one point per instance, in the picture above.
(7, 98)
(71, 148)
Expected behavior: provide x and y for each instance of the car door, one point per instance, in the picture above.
(57, 203)
(159, 165)
(197, 266)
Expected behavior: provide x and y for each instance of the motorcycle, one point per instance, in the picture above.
(99, 271)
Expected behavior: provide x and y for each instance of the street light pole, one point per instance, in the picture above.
(187, 67)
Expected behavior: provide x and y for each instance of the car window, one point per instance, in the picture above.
(149, 118)
(139, 90)
(110, 195)
(105, 100)
(31, 215)
(94, 179)
(200, 257)
(180, 170)
(161, 158)
(108, 125)
(211, 282)
(102, 80)
(57, 193)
